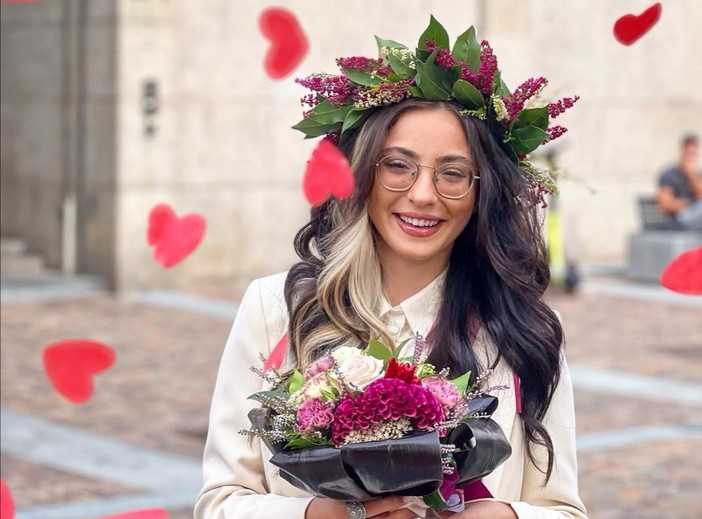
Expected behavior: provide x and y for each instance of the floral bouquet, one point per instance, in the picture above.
(360, 424)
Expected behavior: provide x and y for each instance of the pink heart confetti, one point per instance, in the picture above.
(7, 504)
(630, 28)
(684, 273)
(327, 173)
(173, 238)
(71, 364)
(289, 44)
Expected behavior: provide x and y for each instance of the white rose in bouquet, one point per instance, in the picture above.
(342, 353)
(360, 370)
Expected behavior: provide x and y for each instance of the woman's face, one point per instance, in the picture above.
(419, 225)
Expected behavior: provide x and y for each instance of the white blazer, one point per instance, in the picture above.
(240, 483)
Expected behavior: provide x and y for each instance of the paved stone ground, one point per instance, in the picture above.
(156, 397)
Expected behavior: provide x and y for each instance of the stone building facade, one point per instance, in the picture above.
(112, 106)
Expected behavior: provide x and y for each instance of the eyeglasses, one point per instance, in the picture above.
(452, 180)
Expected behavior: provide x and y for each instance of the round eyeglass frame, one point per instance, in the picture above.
(416, 176)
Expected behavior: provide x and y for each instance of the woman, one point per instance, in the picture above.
(439, 238)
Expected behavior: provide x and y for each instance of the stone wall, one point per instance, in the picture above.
(32, 126)
(58, 130)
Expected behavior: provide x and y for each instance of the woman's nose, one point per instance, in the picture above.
(423, 191)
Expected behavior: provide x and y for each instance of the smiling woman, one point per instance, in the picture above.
(440, 239)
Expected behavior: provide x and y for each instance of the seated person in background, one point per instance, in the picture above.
(680, 187)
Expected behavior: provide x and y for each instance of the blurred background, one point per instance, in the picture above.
(110, 107)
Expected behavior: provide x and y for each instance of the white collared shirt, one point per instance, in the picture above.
(416, 314)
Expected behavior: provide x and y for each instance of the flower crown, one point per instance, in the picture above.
(467, 74)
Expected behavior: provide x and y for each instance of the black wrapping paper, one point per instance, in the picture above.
(408, 466)
(481, 444)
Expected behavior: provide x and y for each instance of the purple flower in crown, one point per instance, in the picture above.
(363, 64)
(530, 88)
(554, 132)
(443, 57)
(558, 107)
(338, 89)
(484, 77)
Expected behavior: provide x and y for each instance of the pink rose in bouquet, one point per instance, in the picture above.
(319, 366)
(313, 415)
(445, 392)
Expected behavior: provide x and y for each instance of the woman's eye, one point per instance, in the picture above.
(399, 165)
(454, 174)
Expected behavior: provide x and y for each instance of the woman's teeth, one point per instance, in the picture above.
(419, 223)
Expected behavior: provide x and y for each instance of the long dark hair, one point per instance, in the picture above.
(497, 272)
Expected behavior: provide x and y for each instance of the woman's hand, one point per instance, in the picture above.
(483, 510)
(387, 508)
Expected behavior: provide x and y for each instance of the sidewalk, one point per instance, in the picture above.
(635, 355)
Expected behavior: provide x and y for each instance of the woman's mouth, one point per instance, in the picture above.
(420, 227)
(418, 222)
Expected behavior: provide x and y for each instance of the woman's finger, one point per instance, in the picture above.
(377, 507)
(403, 513)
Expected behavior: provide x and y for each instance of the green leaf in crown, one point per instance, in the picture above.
(434, 33)
(468, 95)
(467, 49)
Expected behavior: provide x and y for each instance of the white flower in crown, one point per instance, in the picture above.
(498, 104)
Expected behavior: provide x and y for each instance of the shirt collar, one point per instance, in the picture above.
(421, 309)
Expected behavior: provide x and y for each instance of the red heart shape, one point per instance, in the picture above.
(288, 43)
(70, 365)
(146, 513)
(7, 504)
(630, 27)
(327, 172)
(684, 273)
(173, 238)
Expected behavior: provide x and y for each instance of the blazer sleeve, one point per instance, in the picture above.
(235, 485)
(559, 498)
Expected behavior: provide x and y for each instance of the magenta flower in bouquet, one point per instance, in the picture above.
(359, 424)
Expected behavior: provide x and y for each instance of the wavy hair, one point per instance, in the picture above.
(496, 275)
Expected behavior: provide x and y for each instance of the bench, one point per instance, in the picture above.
(659, 242)
(652, 218)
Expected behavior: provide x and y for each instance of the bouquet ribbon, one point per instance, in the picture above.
(409, 466)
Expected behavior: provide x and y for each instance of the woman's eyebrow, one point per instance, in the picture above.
(400, 149)
(454, 158)
(412, 154)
